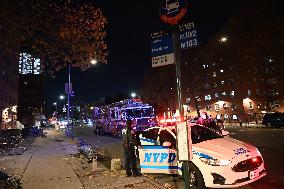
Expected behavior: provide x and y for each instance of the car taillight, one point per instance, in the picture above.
(255, 160)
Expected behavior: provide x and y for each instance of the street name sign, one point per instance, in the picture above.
(162, 50)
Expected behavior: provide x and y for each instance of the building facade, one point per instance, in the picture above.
(30, 103)
(8, 89)
(230, 90)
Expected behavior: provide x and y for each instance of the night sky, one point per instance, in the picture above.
(130, 23)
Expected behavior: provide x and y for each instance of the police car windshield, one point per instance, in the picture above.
(201, 134)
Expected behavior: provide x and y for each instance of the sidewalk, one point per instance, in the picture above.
(53, 163)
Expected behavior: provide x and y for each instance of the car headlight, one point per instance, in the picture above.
(215, 162)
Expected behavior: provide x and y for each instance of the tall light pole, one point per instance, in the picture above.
(68, 108)
(69, 88)
(55, 104)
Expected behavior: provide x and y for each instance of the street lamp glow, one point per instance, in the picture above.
(54, 103)
(61, 97)
(223, 39)
(133, 95)
(94, 61)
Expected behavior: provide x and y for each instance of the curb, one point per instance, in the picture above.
(232, 126)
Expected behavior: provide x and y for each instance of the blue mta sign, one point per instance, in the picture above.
(188, 36)
(162, 45)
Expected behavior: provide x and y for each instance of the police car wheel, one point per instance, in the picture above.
(196, 180)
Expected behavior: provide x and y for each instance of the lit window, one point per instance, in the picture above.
(208, 97)
(271, 93)
(224, 93)
(222, 82)
(198, 98)
(271, 81)
(217, 107)
(249, 92)
(275, 104)
(258, 105)
(232, 93)
(235, 117)
(225, 105)
(205, 65)
(187, 100)
(221, 71)
(214, 74)
(226, 116)
(216, 95)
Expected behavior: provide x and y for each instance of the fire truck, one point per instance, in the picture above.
(112, 118)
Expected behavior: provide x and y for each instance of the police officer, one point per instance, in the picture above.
(129, 143)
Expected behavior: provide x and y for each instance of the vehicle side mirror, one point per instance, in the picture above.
(225, 133)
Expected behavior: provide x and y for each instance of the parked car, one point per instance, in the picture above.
(218, 161)
(273, 120)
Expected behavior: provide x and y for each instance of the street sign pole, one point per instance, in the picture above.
(178, 73)
(179, 93)
(69, 129)
(172, 13)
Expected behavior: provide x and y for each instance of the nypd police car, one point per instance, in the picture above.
(218, 161)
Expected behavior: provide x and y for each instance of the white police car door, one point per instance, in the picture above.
(161, 156)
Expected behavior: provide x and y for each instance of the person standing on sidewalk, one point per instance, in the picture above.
(129, 143)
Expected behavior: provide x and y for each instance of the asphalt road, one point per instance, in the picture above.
(270, 143)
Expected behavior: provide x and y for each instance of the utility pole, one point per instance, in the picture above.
(68, 107)
(179, 93)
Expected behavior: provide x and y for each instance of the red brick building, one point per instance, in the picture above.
(233, 91)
